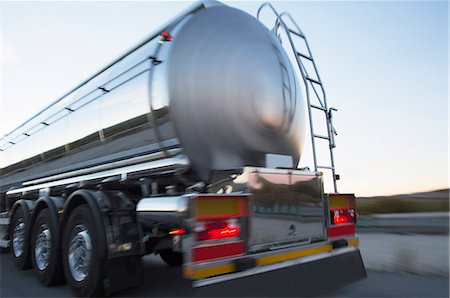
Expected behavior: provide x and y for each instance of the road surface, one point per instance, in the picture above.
(162, 281)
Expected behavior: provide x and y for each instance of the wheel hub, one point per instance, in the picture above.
(43, 247)
(18, 238)
(80, 251)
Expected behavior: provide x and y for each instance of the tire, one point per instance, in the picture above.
(80, 232)
(171, 258)
(20, 252)
(45, 249)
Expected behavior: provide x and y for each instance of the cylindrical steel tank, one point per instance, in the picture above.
(219, 89)
(233, 93)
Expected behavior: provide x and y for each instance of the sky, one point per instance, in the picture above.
(384, 66)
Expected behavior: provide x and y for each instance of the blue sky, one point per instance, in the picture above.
(384, 65)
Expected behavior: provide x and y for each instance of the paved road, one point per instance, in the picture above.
(412, 253)
(385, 284)
(163, 281)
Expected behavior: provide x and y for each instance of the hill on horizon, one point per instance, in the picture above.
(440, 194)
(431, 201)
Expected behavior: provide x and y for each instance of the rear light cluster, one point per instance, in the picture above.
(217, 229)
(166, 36)
(343, 216)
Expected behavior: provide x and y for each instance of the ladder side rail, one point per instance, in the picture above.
(318, 96)
(332, 145)
(330, 128)
(279, 22)
(291, 19)
(307, 84)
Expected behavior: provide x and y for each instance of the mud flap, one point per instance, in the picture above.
(315, 278)
(122, 273)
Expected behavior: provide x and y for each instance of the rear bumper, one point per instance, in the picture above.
(317, 278)
(229, 269)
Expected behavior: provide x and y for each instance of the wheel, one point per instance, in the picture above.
(45, 251)
(172, 258)
(20, 252)
(83, 255)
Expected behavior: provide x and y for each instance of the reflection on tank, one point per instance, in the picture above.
(299, 198)
(289, 201)
(220, 113)
(105, 120)
(130, 138)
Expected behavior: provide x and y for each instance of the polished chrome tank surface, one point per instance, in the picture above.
(286, 206)
(222, 92)
(233, 93)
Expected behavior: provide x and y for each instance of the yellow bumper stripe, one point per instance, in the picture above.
(353, 242)
(213, 271)
(293, 255)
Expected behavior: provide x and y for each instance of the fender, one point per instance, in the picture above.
(53, 204)
(89, 197)
(27, 206)
(121, 235)
(114, 217)
(124, 233)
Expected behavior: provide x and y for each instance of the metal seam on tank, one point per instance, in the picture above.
(173, 32)
(153, 123)
(152, 120)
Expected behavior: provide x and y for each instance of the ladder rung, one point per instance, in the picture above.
(304, 56)
(318, 107)
(313, 80)
(321, 137)
(325, 167)
(296, 33)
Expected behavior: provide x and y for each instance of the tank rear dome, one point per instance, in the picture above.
(234, 96)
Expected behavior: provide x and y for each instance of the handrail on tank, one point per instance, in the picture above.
(192, 9)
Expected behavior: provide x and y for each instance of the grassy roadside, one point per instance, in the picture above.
(437, 201)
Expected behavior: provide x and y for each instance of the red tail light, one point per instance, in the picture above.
(217, 229)
(166, 36)
(177, 232)
(343, 216)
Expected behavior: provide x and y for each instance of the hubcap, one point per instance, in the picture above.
(18, 238)
(80, 251)
(43, 247)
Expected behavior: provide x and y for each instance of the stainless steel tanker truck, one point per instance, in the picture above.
(186, 146)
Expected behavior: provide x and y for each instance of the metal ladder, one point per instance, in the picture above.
(314, 89)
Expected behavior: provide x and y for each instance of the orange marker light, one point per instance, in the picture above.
(177, 232)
